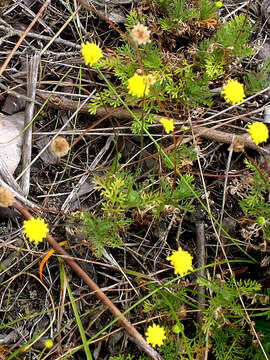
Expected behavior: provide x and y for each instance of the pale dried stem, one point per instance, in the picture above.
(33, 66)
(12, 32)
(201, 263)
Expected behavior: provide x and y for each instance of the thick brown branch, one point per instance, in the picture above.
(62, 103)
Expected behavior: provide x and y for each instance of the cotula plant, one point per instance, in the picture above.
(183, 84)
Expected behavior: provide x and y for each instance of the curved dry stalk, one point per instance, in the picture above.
(134, 334)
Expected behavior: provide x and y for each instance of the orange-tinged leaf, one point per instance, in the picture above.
(46, 258)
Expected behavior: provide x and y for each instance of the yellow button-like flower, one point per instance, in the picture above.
(233, 92)
(258, 132)
(91, 53)
(48, 343)
(181, 261)
(35, 229)
(219, 4)
(138, 85)
(167, 124)
(155, 335)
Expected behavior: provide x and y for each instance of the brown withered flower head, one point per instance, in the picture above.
(59, 146)
(238, 144)
(140, 34)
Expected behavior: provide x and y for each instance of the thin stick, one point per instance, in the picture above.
(201, 263)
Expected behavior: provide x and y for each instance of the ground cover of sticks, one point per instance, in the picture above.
(127, 194)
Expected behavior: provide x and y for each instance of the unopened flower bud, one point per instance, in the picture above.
(260, 220)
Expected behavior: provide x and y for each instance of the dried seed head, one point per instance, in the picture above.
(59, 146)
(140, 34)
(6, 197)
(238, 144)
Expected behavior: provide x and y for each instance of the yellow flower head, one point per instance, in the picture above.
(138, 85)
(140, 34)
(233, 92)
(258, 132)
(167, 124)
(155, 335)
(181, 261)
(91, 53)
(35, 229)
(48, 343)
(219, 4)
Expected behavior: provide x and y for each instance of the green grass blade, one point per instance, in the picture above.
(79, 323)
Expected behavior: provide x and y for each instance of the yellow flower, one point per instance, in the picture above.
(91, 53)
(155, 335)
(219, 4)
(167, 124)
(181, 261)
(233, 92)
(258, 132)
(140, 34)
(48, 343)
(35, 229)
(138, 85)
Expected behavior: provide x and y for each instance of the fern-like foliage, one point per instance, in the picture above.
(256, 81)
(133, 17)
(256, 203)
(225, 302)
(177, 10)
(180, 197)
(206, 8)
(176, 298)
(230, 40)
(214, 66)
(100, 231)
(185, 155)
(187, 86)
(120, 194)
(229, 343)
(122, 357)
